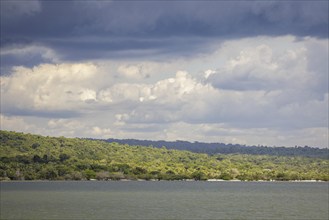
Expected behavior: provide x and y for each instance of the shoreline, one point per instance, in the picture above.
(185, 180)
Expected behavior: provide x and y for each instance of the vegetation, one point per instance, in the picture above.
(34, 157)
(221, 148)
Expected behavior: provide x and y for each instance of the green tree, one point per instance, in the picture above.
(90, 174)
(199, 176)
(63, 157)
(48, 173)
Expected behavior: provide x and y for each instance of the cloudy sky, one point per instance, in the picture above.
(247, 72)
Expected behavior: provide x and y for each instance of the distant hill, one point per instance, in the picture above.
(221, 148)
(35, 157)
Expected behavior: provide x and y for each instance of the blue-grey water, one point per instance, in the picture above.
(164, 200)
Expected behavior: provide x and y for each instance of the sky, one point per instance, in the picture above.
(243, 72)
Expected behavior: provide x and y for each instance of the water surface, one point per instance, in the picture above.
(164, 200)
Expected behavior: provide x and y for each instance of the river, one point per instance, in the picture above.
(163, 200)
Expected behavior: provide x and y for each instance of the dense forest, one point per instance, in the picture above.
(35, 157)
(221, 148)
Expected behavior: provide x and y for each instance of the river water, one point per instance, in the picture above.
(164, 200)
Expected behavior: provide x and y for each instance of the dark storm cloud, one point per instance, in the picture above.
(86, 29)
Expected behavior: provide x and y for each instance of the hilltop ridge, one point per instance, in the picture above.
(221, 148)
(35, 157)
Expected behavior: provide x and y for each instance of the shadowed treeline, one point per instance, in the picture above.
(221, 148)
(35, 157)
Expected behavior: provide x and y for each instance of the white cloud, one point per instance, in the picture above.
(133, 71)
(101, 132)
(260, 90)
(256, 68)
(63, 123)
(88, 95)
(208, 73)
(169, 90)
(49, 87)
(14, 123)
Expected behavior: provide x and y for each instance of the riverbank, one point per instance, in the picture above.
(157, 180)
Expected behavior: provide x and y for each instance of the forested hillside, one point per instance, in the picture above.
(221, 148)
(31, 157)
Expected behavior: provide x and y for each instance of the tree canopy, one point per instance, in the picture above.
(222, 148)
(35, 157)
